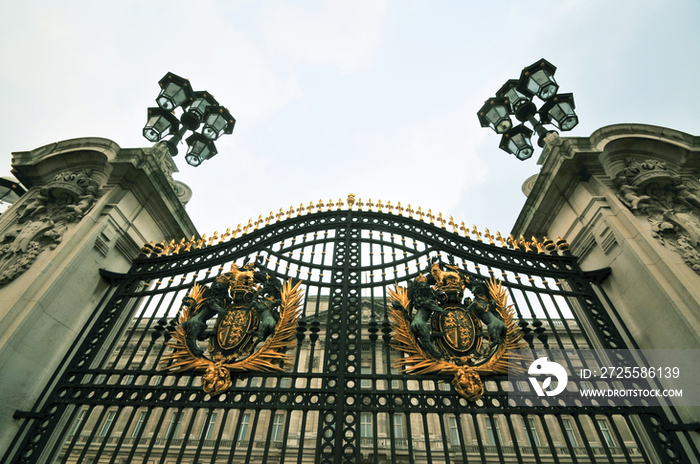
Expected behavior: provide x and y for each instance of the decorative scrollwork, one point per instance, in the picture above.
(671, 205)
(44, 220)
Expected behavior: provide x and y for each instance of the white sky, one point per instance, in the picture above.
(376, 98)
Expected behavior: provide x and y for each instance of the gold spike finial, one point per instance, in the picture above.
(188, 245)
(487, 234)
(500, 238)
(441, 220)
(178, 246)
(225, 235)
(247, 226)
(540, 248)
(526, 244)
(562, 245)
(453, 224)
(514, 242)
(476, 232)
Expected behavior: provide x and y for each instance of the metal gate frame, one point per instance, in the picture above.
(334, 395)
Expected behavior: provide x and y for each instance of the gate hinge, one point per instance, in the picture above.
(692, 427)
(111, 277)
(28, 415)
(598, 276)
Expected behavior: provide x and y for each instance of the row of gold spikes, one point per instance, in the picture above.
(533, 246)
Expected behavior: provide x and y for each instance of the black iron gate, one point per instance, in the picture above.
(341, 400)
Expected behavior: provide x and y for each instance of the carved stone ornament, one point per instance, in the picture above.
(251, 308)
(672, 207)
(161, 153)
(44, 220)
(441, 333)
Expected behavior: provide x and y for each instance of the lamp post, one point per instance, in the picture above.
(10, 191)
(197, 108)
(515, 98)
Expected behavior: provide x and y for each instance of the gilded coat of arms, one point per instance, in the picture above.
(440, 331)
(256, 320)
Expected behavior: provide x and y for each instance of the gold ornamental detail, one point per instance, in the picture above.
(457, 352)
(229, 350)
(543, 246)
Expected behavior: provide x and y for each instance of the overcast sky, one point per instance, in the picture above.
(376, 98)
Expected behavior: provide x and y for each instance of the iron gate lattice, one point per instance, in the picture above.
(340, 401)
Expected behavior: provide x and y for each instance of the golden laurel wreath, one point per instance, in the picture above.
(467, 381)
(269, 358)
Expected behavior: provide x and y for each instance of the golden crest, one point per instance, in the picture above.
(231, 347)
(459, 329)
(235, 330)
(462, 348)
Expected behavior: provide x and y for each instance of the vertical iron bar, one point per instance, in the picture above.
(460, 433)
(479, 436)
(513, 437)
(496, 435)
(114, 424)
(570, 445)
(252, 431)
(586, 443)
(601, 439)
(302, 437)
(445, 447)
(409, 430)
(548, 436)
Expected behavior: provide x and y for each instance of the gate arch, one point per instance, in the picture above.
(341, 401)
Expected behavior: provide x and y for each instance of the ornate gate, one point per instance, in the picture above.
(340, 400)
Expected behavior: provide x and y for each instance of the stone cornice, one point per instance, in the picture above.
(580, 157)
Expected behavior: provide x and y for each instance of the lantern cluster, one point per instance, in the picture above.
(199, 109)
(515, 98)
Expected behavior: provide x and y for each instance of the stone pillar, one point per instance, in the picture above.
(90, 204)
(628, 198)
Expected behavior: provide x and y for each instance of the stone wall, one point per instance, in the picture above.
(628, 198)
(89, 205)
